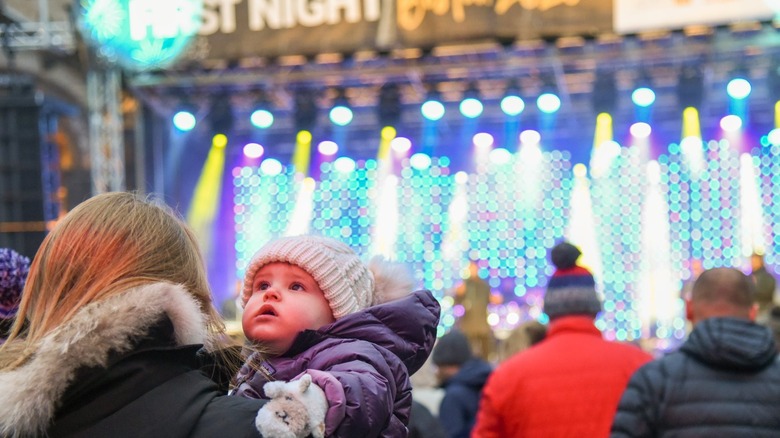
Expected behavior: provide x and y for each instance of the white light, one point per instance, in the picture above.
(548, 103)
(271, 167)
(643, 97)
(529, 136)
(640, 130)
(432, 110)
(500, 156)
(262, 118)
(512, 105)
(731, 123)
(253, 150)
(471, 107)
(461, 177)
(184, 121)
(401, 144)
(328, 147)
(344, 164)
(738, 88)
(774, 137)
(341, 115)
(420, 161)
(482, 140)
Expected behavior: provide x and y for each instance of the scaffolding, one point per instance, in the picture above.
(19, 33)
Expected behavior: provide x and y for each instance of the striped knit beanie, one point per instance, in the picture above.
(571, 290)
(347, 283)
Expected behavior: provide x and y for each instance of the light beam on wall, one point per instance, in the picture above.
(300, 218)
(581, 229)
(752, 216)
(205, 198)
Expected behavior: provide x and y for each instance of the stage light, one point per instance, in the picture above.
(184, 119)
(774, 137)
(344, 164)
(388, 133)
(253, 150)
(470, 106)
(738, 88)
(604, 96)
(271, 167)
(690, 87)
(401, 144)
(328, 147)
(499, 156)
(548, 103)
(341, 113)
(432, 109)
(512, 104)
(261, 116)
(529, 136)
(219, 141)
(482, 140)
(420, 161)
(389, 107)
(640, 130)
(731, 123)
(643, 97)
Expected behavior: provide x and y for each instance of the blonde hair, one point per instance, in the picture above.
(104, 247)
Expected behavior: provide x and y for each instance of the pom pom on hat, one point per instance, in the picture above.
(14, 268)
(348, 284)
(451, 349)
(571, 290)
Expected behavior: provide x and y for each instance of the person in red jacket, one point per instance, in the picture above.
(569, 384)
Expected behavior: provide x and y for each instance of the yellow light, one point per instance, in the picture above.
(691, 126)
(388, 133)
(777, 114)
(219, 141)
(304, 137)
(603, 131)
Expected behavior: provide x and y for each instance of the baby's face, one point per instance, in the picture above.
(285, 301)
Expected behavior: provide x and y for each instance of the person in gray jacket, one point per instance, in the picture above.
(724, 380)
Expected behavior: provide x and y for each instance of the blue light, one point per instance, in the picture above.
(643, 97)
(548, 103)
(738, 88)
(262, 118)
(432, 110)
(471, 107)
(184, 120)
(340, 115)
(512, 105)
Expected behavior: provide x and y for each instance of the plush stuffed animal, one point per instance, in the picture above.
(296, 410)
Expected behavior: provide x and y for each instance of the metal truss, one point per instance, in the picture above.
(106, 147)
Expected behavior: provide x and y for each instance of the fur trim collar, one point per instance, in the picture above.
(32, 392)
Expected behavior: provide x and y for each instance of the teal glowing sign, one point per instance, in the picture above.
(140, 34)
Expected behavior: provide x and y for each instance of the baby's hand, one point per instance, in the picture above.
(296, 410)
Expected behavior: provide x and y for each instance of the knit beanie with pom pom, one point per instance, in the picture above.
(571, 290)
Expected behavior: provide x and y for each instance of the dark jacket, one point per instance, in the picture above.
(364, 361)
(129, 366)
(422, 423)
(724, 382)
(462, 392)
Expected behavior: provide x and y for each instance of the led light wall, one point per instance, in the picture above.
(652, 218)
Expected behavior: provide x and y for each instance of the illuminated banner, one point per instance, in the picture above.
(236, 29)
(139, 34)
(641, 15)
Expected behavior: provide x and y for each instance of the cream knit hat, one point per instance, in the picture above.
(347, 283)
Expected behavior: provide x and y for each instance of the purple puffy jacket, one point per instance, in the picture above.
(371, 354)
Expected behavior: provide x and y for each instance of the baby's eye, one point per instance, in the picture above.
(263, 285)
(297, 286)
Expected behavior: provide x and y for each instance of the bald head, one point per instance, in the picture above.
(722, 292)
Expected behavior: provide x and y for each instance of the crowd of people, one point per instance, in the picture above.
(111, 331)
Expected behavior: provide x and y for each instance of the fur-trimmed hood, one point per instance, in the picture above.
(33, 391)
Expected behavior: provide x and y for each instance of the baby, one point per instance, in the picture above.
(312, 307)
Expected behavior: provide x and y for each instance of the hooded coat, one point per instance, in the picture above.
(362, 361)
(462, 392)
(128, 366)
(723, 382)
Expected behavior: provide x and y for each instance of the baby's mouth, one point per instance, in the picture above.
(267, 311)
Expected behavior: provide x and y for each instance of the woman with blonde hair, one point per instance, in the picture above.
(116, 334)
